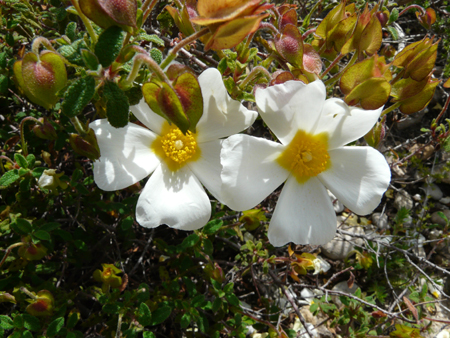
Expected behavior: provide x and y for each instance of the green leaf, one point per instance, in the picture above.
(394, 32)
(3, 84)
(31, 159)
(145, 315)
(109, 45)
(73, 320)
(212, 227)
(9, 178)
(232, 299)
(18, 322)
(150, 38)
(21, 160)
(89, 59)
(73, 52)
(71, 30)
(161, 315)
(31, 322)
(393, 16)
(134, 95)
(27, 334)
(42, 235)
(23, 226)
(148, 334)
(3, 60)
(78, 95)
(198, 301)
(446, 144)
(6, 322)
(185, 320)
(37, 172)
(55, 326)
(216, 304)
(228, 288)
(156, 55)
(117, 106)
(190, 241)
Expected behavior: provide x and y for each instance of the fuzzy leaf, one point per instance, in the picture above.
(109, 45)
(55, 326)
(9, 178)
(78, 95)
(117, 106)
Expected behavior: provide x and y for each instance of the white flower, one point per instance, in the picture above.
(180, 164)
(310, 158)
(320, 265)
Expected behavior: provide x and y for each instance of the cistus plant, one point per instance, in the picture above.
(158, 157)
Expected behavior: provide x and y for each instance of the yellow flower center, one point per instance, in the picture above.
(175, 148)
(306, 155)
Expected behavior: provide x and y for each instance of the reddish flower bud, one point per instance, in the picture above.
(42, 305)
(383, 17)
(45, 130)
(85, 146)
(31, 251)
(41, 77)
(106, 13)
(428, 18)
(7, 297)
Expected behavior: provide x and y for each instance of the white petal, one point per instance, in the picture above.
(148, 117)
(345, 124)
(303, 215)
(125, 155)
(173, 198)
(358, 177)
(291, 106)
(250, 172)
(207, 168)
(222, 116)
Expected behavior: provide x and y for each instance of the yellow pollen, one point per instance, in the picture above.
(175, 148)
(306, 155)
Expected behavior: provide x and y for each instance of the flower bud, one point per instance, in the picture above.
(252, 218)
(45, 130)
(41, 77)
(215, 272)
(31, 251)
(49, 180)
(47, 158)
(383, 17)
(230, 22)
(108, 276)
(85, 146)
(42, 305)
(111, 12)
(364, 259)
(7, 297)
(428, 18)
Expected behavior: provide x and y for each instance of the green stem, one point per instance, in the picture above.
(410, 7)
(27, 292)
(41, 41)
(338, 76)
(138, 60)
(391, 108)
(181, 44)
(86, 22)
(254, 73)
(22, 134)
(78, 126)
(147, 8)
(8, 251)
